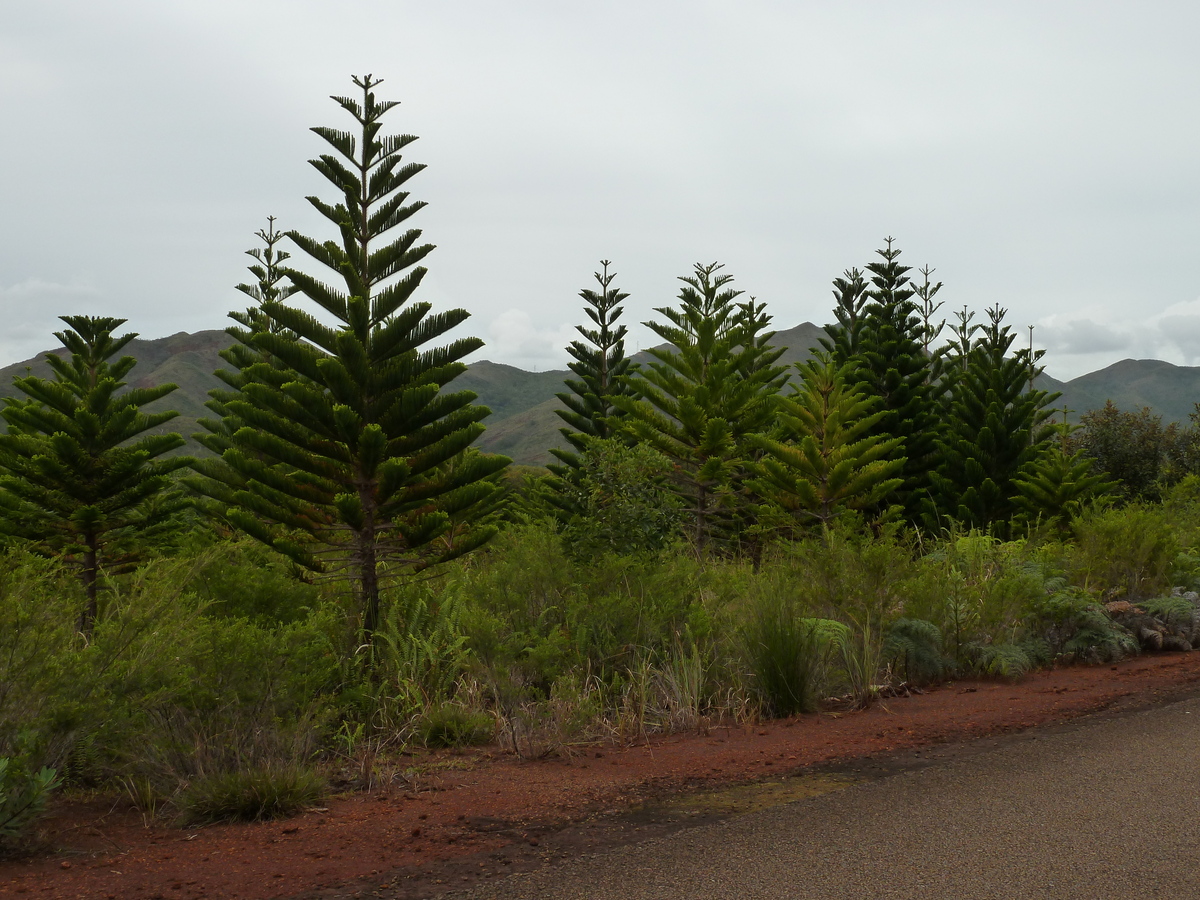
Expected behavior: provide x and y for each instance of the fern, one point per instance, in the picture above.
(914, 647)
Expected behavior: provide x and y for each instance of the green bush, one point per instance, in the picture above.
(23, 796)
(246, 580)
(250, 795)
(1123, 552)
(453, 725)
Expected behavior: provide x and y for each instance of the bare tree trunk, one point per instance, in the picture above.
(90, 575)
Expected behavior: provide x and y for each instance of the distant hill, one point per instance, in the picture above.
(523, 423)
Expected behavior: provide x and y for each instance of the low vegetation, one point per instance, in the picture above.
(346, 578)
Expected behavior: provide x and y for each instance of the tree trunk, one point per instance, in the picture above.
(368, 567)
(90, 575)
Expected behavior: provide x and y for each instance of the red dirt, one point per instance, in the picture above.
(483, 814)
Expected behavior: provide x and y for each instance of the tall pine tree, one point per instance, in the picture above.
(889, 361)
(80, 476)
(995, 424)
(358, 462)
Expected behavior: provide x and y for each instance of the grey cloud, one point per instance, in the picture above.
(1085, 336)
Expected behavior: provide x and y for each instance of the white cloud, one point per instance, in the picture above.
(31, 309)
(513, 338)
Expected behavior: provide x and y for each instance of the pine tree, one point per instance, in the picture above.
(995, 424)
(80, 478)
(828, 461)
(888, 360)
(1054, 488)
(269, 284)
(357, 462)
(850, 300)
(711, 387)
(600, 368)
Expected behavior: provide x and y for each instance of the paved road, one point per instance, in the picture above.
(1105, 809)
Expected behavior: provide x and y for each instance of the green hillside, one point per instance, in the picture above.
(523, 423)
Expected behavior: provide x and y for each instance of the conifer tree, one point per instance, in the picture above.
(80, 477)
(357, 462)
(887, 358)
(995, 424)
(269, 284)
(850, 300)
(711, 387)
(1054, 488)
(600, 368)
(828, 460)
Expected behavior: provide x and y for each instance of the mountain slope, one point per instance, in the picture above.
(523, 423)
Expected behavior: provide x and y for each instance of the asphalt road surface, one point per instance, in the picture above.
(1106, 808)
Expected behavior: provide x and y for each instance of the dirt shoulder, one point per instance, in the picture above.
(481, 815)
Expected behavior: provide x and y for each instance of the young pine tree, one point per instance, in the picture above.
(828, 461)
(706, 392)
(600, 368)
(80, 477)
(357, 460)
(1054, 488)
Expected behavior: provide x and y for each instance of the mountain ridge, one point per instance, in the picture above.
(523, 423)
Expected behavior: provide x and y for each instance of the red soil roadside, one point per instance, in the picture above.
(474, 814)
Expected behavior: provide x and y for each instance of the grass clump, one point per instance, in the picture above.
(250, 795)
(454, 725)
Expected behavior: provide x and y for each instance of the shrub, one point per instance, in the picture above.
(1124, 552)
(454, 725)
(250, 795)
(23, 795)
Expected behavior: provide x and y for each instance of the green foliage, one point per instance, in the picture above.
(881, 346)
(995, 424)
(1134, 449)
(80, 479)
(1128, 552)
(250, 795)
(346, 452)
(828, 461)
(243, 579)
(455, 725)
(977, 591)
(706, 391)
(913, 649)
(600, 368)
(784, 652)
(1054, 488)
(417, 658)
(621, 499)
(1075, 627)
(23, 796)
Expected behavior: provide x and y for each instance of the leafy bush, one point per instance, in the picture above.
(1123, 552)
(246, 580)
(250, 795)
(1076, 627)
(23, 795)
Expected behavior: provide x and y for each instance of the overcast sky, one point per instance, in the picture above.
(1043, 156)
